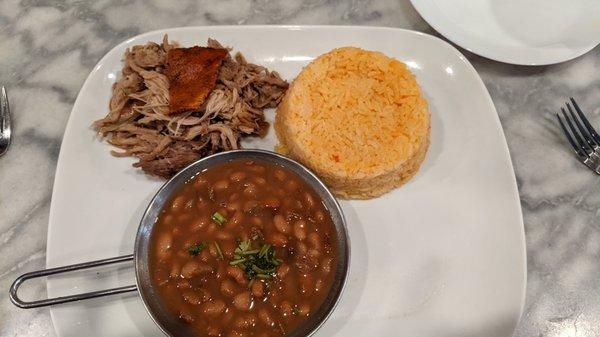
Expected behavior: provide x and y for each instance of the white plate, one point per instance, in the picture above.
(525, 32)
(442, 256)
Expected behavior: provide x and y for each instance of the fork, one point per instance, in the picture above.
(581, 135)
(5, 129)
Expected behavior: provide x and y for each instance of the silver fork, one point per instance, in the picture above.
(581, 135)
(4, 122)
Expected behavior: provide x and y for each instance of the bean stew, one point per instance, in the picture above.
(245, 248)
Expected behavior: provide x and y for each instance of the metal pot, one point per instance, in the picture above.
(167, 322)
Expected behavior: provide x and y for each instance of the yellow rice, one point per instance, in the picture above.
(358, 119)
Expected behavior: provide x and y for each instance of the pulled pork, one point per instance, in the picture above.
(139, 123)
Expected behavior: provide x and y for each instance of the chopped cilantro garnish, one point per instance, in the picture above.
(219, 252)
(256, 263)
(196, 249)
(218, 218)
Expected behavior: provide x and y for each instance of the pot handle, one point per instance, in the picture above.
(71, 298)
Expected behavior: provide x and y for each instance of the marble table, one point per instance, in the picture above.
(47, 48)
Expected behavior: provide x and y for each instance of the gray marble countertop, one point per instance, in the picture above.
(47, 48)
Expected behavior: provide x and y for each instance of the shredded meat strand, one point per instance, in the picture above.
(139, 124)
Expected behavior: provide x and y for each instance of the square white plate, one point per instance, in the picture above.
(443, 255)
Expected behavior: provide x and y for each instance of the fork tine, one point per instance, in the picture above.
(582, 144)
(5, 130)
(577, 150)
(583, 131)
(585, 121)
(3, 109)
(4, 113)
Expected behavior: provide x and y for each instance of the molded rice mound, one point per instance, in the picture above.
(358, 119)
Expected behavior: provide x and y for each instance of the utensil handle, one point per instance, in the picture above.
(71, 298)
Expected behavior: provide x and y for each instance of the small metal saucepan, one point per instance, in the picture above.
(167, 322)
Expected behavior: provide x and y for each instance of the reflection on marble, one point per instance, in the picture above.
(47, 48)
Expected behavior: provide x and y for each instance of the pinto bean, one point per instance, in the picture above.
(200, 182)
(300, 230)
(212, 249)
(211, 228)
(200, 224)
(271, 202)
(228, 288)
(250, 190)
(237, 176)
(234, 206)
(319, 285)
(234, 197)
(327, 265)
(258, 289)
(178, 202)
(184, 218)
(224, 235)
(236, 333)
(249, 205)
(303, 309)
(175, 270)
(192, 298)
(205, 255)
(243, 301)
(283, 271)
(221, 272)
(186, 316)
(221, 185)
(280, 175)
(256, 221)
(193, 268)
(277, 239)
(163, 246)
(257, 168)
(315, 242)
(259, 180)
(213, 308)
(291, 185)
(237, 274)
(309, 201)
(183, 284)
(169, 220)
(227, 248)
(281, 225)
(183, 254)
(305, 285)
(286, 309)
(265, 317)
(237, 218)
(187, 243)
(313, 256)
(201, 203)
(223, 211)
(213, 331)
(301, 248)
(245, 321)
